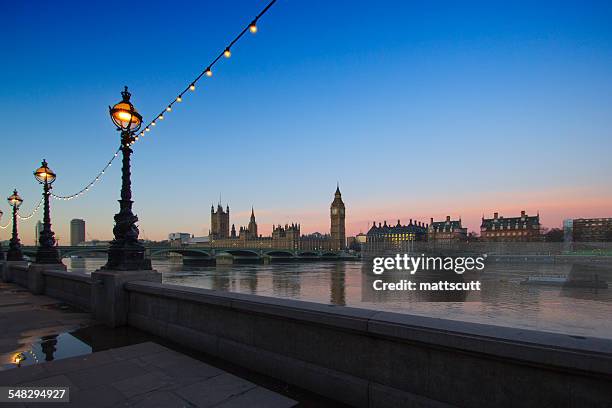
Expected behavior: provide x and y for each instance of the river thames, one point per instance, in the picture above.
(503, 301)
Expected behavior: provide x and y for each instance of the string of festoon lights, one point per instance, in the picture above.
(191, 87)
(26, 217)
(91, 183)
(30, 215)
(227, 53)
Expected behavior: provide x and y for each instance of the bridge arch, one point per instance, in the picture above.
(70, 252)
(280, 254)
(201, 253)
(240, 252)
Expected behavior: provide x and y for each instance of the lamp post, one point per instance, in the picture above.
(1, 252)
(125, 252)
(14, 252)
(46, 252)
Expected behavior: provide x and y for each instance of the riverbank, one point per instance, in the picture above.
(364, 358)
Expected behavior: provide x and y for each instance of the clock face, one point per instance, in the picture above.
(341, 211)
(334, 211)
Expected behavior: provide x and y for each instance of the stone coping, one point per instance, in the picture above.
(529, 346)
(18, 265)
(81, 277)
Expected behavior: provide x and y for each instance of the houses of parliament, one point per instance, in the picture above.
(221, 235)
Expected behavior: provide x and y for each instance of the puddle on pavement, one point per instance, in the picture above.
(48, 348)
(79, 342)
(96, 338)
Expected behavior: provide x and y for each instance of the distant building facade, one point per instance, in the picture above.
(219, 222)
(568, 230)
(337, 215)
(179, 237)
(77, 231)
(592, 229)
(282, 237)
(446, 231)
(37, 229)
(248, 232)
(316, 242)
(351, 242)
(395, 235)
(95, 242)
(512, 229)
(199, 241)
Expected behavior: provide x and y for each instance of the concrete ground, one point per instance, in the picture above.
(25, 319)
(143, 375)
(139, 375)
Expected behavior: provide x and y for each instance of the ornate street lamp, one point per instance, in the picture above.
(46, 252)
(125, 252)
(14, 252)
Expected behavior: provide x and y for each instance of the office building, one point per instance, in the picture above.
(592, 229)
(77, 232)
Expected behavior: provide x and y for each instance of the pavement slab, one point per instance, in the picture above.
(120, 382)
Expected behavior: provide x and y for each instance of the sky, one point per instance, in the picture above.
(417, 110)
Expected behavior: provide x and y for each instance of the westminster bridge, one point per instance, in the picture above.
(214, 255)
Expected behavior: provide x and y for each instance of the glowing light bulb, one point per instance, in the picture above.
(124, 116)
(179, 99)
(253, 27)
(169, 108)
(153, 123)
(18, 358)
(192, 87)
(160, 117)
(227, 53)
(147, 129)
(208, 72)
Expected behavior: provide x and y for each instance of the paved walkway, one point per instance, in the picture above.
(143, 375)
(140, 375)
(25, 319)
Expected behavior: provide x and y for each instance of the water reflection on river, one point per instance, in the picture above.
(502, 301)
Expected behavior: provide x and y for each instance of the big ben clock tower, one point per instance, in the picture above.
(337, 214)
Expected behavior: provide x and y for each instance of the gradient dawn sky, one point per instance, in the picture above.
(417, 109)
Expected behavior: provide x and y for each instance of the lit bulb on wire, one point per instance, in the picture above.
(227, 53)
